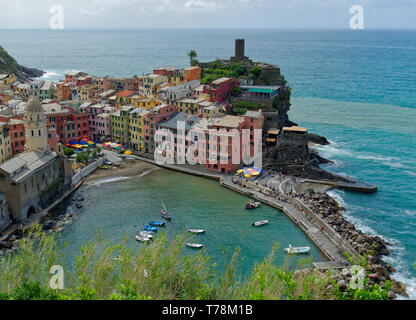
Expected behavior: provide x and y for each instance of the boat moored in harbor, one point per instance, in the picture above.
(150, 228)
(260, 223)
(195, 245)
(142, 239)
(252, 205)
(297, 250)
(196, 231)
(156, 224)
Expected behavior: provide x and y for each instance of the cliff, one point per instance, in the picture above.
(9, 65)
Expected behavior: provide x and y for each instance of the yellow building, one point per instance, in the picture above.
(83, 92)
(175, 79)
(189, 106)
(6, 80)
(136, 128)
(143, 102)
(150, 83)
(120, 124)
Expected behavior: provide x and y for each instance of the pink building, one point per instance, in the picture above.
(157, 114)
(221, 89)
(100, 85)
(83, 81)
(99, 120)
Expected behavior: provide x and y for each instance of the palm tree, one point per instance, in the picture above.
(192, 55)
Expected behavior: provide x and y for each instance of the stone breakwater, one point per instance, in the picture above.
(373, 246)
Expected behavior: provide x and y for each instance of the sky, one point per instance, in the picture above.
(150, 14)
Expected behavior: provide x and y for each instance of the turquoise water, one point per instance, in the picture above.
(356, 88)
(123, 206)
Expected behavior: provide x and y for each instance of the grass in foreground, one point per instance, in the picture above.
(157, 271)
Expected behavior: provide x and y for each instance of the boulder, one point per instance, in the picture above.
(342, 285)
(6, 244)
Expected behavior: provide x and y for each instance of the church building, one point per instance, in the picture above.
(36, 178)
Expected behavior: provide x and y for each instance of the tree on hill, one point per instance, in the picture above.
(256, 72)
(194, 63)
(192, 55)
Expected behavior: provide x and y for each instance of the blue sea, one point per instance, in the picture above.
(357, 88)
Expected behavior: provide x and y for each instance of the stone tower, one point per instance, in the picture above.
(35, 127)
(239, 49)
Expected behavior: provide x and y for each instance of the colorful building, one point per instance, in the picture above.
(17, 136)
(120, 125)
(125, 98)
(189, 106)
(5, 147)
(69, 124)
(72, 76)
(136, 128)
(191, 74)
(157, 114)
(221, 89)
(150, 82)
(63, 91)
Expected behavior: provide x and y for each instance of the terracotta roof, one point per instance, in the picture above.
(125, 93)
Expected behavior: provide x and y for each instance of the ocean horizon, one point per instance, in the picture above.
(358, 89)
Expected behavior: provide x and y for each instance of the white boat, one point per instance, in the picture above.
(195, 245)
(142, 239)
(146, 235)
(197, 231)
(253, 205)
(297, 250)
(260, 223)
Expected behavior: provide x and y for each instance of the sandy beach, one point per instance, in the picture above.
(127, 169)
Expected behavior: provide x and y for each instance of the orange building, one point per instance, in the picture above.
(63, 91)
(191, 73)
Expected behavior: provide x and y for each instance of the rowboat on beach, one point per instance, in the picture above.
(260, 223)
(297, 250)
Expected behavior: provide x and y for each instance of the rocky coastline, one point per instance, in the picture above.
(379, 272)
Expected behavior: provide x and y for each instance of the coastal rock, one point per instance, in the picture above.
(6, 244)
(399, 288)
(316, 139)
(342, 285)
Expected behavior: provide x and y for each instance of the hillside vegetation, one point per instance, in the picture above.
(9, 65)
(162, 271)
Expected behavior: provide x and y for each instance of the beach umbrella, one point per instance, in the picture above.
(83, 143)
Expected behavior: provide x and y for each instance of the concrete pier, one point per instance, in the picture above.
(331, 248)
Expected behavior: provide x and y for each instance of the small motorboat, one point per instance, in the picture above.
(253, 205)
(260, 223)
(150, 228)
(297, 250)
(197, 231)
(156, 224)
(145, 234)
(142, 239)
(195, 245)
(103, 167)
